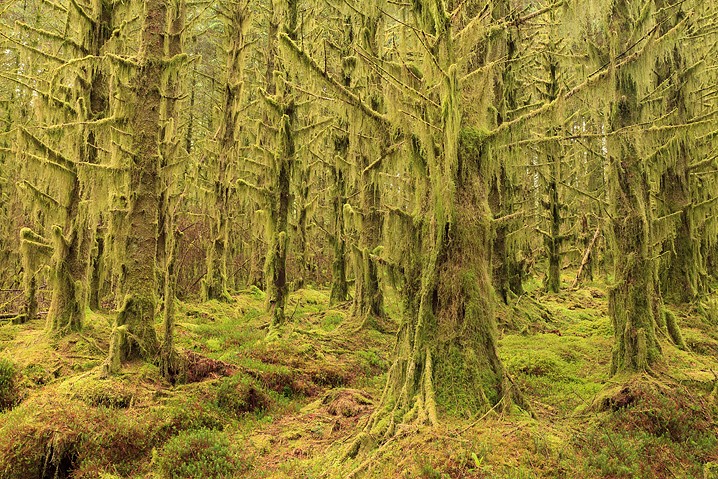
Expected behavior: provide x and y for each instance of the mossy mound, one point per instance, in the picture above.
(9, 390)
(240, 394)
(201, 453)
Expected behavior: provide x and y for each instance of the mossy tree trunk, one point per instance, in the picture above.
(171, 152)
(135, 321)
(96, 276)
(632, 297)
(553, 238)
(368, 295)
(237, 17)
(340, 286)
(285, 16)
(680, 278)
(77, 97)
(507, 272)
(446, 354)
(303, 207)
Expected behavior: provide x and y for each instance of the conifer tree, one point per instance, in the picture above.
(237, 20)
(134, 334)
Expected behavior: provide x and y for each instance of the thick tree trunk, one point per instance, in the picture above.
(446, 353)
(632, 298)
(137, 315)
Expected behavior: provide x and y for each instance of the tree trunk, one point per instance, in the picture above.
(340, 286)
(632, 298)
(446, 353)
(138, 311)
(368, 295)
(680, 278)
(275, 266)
(215, 283)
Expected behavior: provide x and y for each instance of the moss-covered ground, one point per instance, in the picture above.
(290, 405)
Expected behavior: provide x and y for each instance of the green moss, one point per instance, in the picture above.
(536, 363)
(240, 394)
(9, 395)
(109, 393)
(331, 320)
(463, 387)
(205, 453)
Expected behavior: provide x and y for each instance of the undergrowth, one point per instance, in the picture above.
(289, 406)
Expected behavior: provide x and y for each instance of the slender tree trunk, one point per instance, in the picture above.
(680, 279)
(506, 270)
(275, 266)
(554, 157)
(368, 295)
(215, 284)
(97, 274)
(73, 243)
(340, 286)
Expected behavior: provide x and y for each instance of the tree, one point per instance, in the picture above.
(237, 19)
(134, 334)
(632, 298)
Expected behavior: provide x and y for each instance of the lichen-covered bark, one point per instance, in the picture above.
(681, 280)
(275, 266)
(507, 272)
(137, 316)
(446, 352)
(632, 297)
(368, 295)
(340, 286)
(170, 151)
(554, 239)
(215, 283)
(74, 240)
(96, 274)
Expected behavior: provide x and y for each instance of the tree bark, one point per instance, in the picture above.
(137, 315)
(632, 298)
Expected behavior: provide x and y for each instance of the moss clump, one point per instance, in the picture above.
(536, 363)
(9, 395)
(257, 293)
(103, 393)
(241, 394)
(202, 453)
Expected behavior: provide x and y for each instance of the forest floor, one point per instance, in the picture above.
(291, 406)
